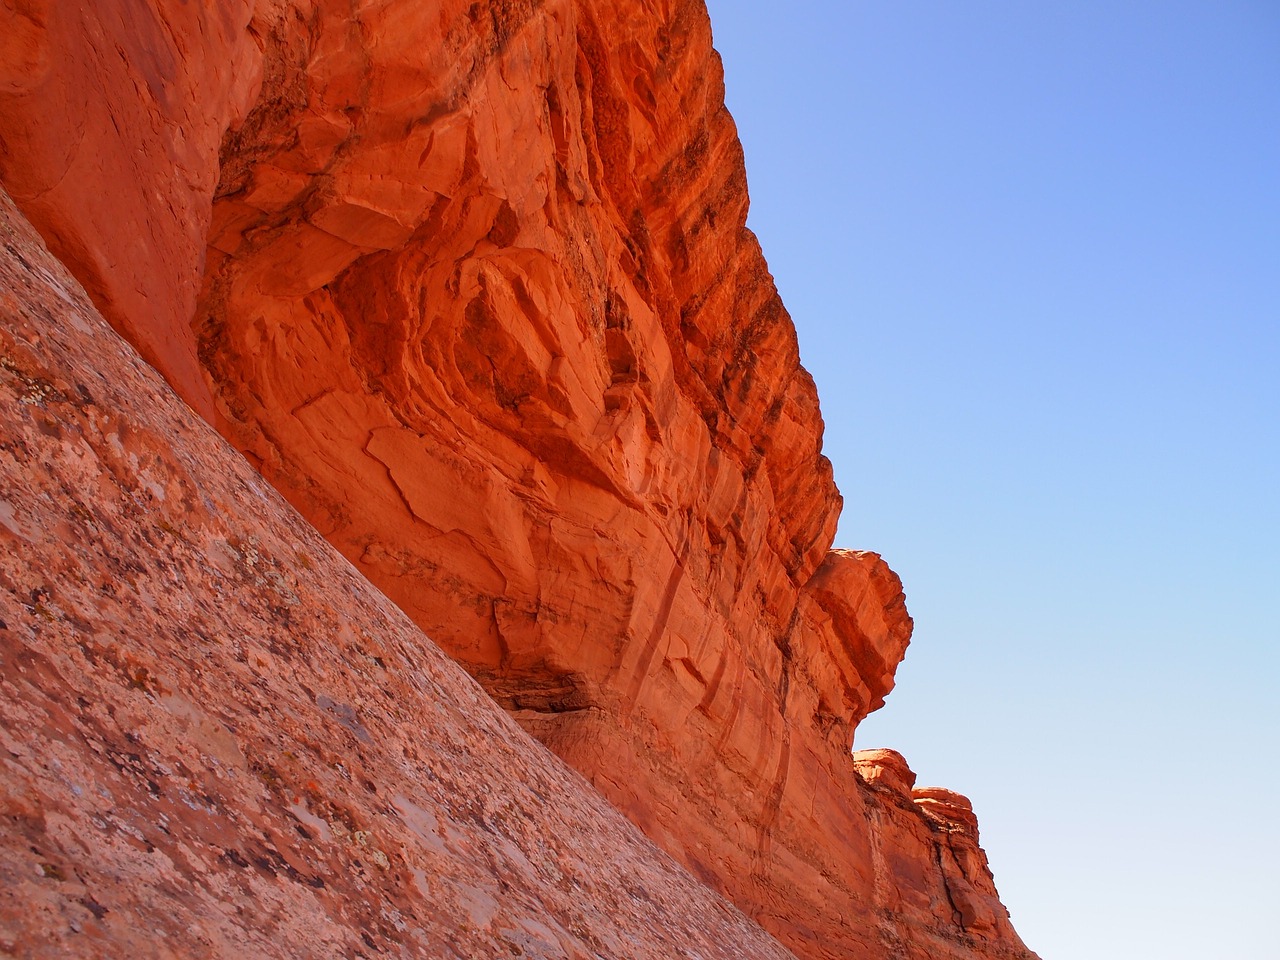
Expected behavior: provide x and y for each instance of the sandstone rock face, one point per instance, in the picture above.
(218, 740)
(111, 114)
(470, 284)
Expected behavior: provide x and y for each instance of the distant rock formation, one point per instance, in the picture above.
(470, 284)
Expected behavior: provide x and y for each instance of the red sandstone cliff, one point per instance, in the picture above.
(470, 284)
(218, 740)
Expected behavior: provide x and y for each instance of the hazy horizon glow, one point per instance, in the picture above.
(1033, 256)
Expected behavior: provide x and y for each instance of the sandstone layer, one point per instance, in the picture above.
(470, 284)
(218, 740)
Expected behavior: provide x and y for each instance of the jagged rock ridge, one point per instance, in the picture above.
(471, 285)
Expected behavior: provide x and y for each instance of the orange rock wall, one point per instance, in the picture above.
(218, 740)
(478, 297)
(111, 114)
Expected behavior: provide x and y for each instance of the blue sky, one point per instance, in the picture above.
(1033, 254)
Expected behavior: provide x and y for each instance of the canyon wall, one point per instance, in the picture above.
(470, 284)
(218, 740)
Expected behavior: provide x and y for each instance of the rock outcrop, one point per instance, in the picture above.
(218, 740)
(470, 284)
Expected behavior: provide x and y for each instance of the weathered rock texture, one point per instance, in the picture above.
(470, 284)
(218, 740)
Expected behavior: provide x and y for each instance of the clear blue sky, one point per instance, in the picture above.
(1033, 254)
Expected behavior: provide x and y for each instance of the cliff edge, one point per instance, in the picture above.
(470, 284)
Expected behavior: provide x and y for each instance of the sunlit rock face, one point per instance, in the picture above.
(219, 740)
(470, 284)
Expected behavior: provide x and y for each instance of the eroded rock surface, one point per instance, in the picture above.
(218, 740)
(470, 284)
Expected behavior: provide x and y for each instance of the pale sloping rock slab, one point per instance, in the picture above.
(217, 740)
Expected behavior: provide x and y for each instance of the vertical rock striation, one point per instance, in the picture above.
(470, 284)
